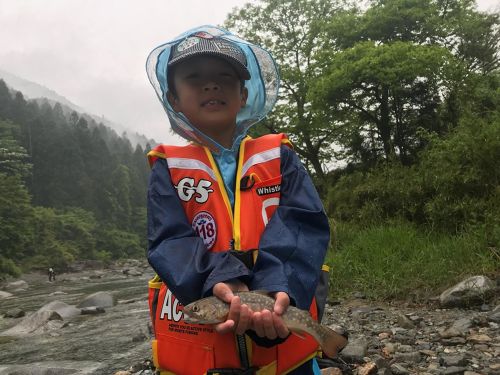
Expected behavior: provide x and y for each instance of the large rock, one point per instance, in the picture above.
(35, 323)
(472, 291)
(98, 299)
(355, 351)
(494, 316)
(66, 311)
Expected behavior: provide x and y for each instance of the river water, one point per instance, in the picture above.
(96, 344)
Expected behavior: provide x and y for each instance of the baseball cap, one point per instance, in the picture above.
(262, 84)
(204, 43)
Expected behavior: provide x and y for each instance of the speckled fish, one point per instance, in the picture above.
(212, 310)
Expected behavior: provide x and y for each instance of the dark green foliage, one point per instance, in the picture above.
(454, 187)
(62, 179)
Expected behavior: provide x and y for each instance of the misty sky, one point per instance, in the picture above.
(93, 52)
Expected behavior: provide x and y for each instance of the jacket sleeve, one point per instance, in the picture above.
(294, 243)
(175, 252)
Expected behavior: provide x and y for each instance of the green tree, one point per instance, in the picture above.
(15, 206)
(385, 93)
(292, 30)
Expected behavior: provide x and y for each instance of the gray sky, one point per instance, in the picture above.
(93, 52)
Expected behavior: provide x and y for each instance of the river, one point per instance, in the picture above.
(97, 344)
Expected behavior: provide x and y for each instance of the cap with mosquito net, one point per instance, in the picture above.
(252, 63)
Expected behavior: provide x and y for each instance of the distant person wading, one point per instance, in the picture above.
(52, 274)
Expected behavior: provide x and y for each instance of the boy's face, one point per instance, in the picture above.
(208, 93)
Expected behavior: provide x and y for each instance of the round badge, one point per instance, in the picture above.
(204, 226)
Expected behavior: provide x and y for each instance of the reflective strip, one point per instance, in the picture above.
(261, 157)
(184, 163)
(268, 203)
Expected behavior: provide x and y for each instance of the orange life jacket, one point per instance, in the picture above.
(184, 349)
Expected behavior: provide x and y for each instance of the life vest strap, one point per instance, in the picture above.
(246, 256)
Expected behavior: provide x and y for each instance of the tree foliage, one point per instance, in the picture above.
(62, 180)
(360, 85)
(394, 106)
(292, 30)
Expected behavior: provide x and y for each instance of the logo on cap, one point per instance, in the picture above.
(187, 43)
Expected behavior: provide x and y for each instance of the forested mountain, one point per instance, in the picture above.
(40, 93)
(70, 188)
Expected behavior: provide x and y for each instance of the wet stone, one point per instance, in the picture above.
(454, 341)
(354, 352)
(398, 369)
(454, 370)
(413, 357)
(14, 313)
(453, 360)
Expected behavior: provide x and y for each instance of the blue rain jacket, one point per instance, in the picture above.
(291, 251)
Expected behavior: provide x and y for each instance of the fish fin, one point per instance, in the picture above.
(332, 342)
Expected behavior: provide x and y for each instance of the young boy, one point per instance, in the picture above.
(228, 213)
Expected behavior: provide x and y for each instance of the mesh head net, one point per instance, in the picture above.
(262, 86)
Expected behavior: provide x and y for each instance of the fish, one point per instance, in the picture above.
(212, 310)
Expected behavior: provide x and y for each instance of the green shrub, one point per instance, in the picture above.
(397, 260)
(8, 268)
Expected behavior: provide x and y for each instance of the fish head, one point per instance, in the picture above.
(206, 311)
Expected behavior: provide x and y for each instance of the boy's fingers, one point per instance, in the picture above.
(225, 327)
(234, 311)
(223, 292)
(280, 327)
(245, 320)
(268, 324)
(257, 324)
(282, 302)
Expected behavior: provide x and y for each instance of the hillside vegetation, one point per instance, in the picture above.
(69, 190)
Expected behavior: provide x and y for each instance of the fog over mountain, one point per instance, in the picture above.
(35, 91)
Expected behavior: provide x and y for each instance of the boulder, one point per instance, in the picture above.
(64, 310)
(98, 299)
(131, 272)
(34, 323)
(472, 291)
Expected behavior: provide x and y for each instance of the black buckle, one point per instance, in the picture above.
(231, 371)
(247, 182)
(246, 256)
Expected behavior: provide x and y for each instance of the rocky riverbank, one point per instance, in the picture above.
(97, 322)
(405, 339)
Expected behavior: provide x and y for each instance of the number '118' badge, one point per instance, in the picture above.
(204, 226)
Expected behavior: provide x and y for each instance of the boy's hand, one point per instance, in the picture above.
(239, 318)
(269, 324)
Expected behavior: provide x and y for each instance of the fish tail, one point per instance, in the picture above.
(331, 342)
